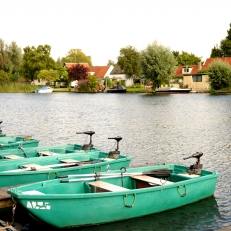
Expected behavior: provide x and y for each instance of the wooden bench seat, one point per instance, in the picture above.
(47, 153)
(144, 181)
(101, 186)
(12, 157)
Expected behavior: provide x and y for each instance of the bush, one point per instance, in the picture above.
(3, 76)
(219, 74)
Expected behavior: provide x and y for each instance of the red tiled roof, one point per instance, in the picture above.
(211, 60)
(71, 64)
(99, 71)
(179, 70)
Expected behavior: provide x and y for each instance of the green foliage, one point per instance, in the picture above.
(107, 82)
(35, 60)
(3, 76)
(185, 58)
(92, 82)
(129, 61)
(224, 50)
(158, 64)
(219, 74)
(48, 75)
(14, 77)
(77, 56)
(10, 57)
(111, 63)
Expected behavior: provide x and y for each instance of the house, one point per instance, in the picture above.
(199, 81)
(118, 73)
(99, 71)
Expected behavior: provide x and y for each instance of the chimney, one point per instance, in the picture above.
(199, 66)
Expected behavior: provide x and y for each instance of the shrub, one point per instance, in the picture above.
(219, 74)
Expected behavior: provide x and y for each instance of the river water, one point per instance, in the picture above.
(154, 128)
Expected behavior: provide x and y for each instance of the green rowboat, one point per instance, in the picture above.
(27, 170)
(54, 150)
(14, 142)
(115, 195)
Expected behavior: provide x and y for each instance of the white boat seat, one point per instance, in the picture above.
(106, 159)
(35, 166)
(32, 192)
(70, 161)
(189, 175)
(101, 186)
(47, 153)
(151, 180)
(12, 157)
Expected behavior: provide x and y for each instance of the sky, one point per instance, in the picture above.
(100, 28)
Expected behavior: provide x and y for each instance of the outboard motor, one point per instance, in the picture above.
(195, 168)
(90, 145)
(115, 154)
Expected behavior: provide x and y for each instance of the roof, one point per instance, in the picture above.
(116, 70)
(179, 70)
(98, 71)
(211, 60)
(71, 64)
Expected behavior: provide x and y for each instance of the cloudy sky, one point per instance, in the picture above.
(100, 28)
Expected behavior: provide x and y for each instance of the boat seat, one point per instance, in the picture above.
(47, 153)
(32, 192)
(144, 181)
(101, 186)
(106, 159)
(68, 161)
(189, 175)
(12, 157)
(35, 167)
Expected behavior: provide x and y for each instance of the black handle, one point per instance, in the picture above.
(118, 139)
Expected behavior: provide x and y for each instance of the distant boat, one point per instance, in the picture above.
(44, 89)
(117, 89)
(172, 90)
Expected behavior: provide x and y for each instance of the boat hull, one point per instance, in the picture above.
(173, 90)
(16, 142)
(13, 172)
(41, 151)
(97, 208)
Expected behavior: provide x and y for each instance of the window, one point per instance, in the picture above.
(197, 78)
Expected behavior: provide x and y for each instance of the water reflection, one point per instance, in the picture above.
(155, 128)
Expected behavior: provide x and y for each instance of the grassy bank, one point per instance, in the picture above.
(12, 87)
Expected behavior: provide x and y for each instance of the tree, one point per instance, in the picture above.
(129, 61)
(14, 58)
(219, 74)
(185, 58)
(77, 56)
(158, 64)
(216, 52)
(35, 60)
(92, 82)
(224, 50)
(111, 63)
(3, 55)
(48, 75)
(78, 72)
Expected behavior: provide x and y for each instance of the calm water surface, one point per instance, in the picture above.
(154, 128)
